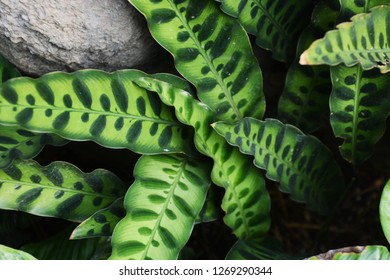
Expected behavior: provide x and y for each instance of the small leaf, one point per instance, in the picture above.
(212, 51)
(57, 190)
(101, 223)
(18, 143)
(246, 200)
(211, 210)
(162, 205)
(356, 253)
(384, 210)
(107, 108)
(363, 41)
(291, 158)
(276, 23)
(7, 253)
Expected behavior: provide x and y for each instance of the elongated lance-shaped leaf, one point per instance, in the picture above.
(268, 249)
(359, 102)
(57, 190)
(93, 105)
(355, 253)
(212, 51)
(16, 142)
(291, 158)
(7, 253)
(363, 41)
(59, 247)
(162, 205)
(384, 210)
(276, 23)
(7, 70)
(304, 102)
(359, 105)
(101, 223)
(246, 201)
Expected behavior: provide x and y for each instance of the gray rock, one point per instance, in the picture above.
(43, 36)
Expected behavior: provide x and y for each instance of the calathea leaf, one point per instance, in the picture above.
(276, 23)
(359, 102)
(360, 105)
(16, 142)
(7, 253)
(57, 190)
(93, 105)
(211, 210)
(384, 210)
(291, 158)
(162, 205)
(59, 247)
(101, 223)
(212, 51)
(304, 101)
(363, 41)
(355, 253)
(246, 201)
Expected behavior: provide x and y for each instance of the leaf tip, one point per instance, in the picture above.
(303, 60)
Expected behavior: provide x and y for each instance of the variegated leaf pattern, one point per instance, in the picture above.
(57, 190)
(304, 102)
(59, 247)
(7, 253)
(359, 105)
(101, 223)
(7, 70)
(212, 51)
(16, 142)
(359, 102)
(355, 253)
(364, 40)
(268, 249)
(293, 159)
(246, 201)
(277, 24)
(107, 108)
(384, 211)
(162, 205)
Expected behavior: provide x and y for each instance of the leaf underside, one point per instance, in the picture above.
(291, 158)
(362, 41)
(275, 23)
(107, 108)
(162, 205)
(246, 201)
(356, 253)
(7, 253)
(212, 51)
(57, 190)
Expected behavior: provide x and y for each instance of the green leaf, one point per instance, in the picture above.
(93, 105)
(162, 205)
(356, 253)
(359, 101)
(7, 253)
(59, 247)
(363, 41)
(18, 143)
(384, 210)
(211, 210)
(275, 23)
(304, 102)
(7, 70)
(269, 249)
(212, 51)
(101, 223)
(57, 190)
(360, 105)
(246, 200)
(291, 158)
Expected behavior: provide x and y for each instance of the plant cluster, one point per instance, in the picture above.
(202, 132)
